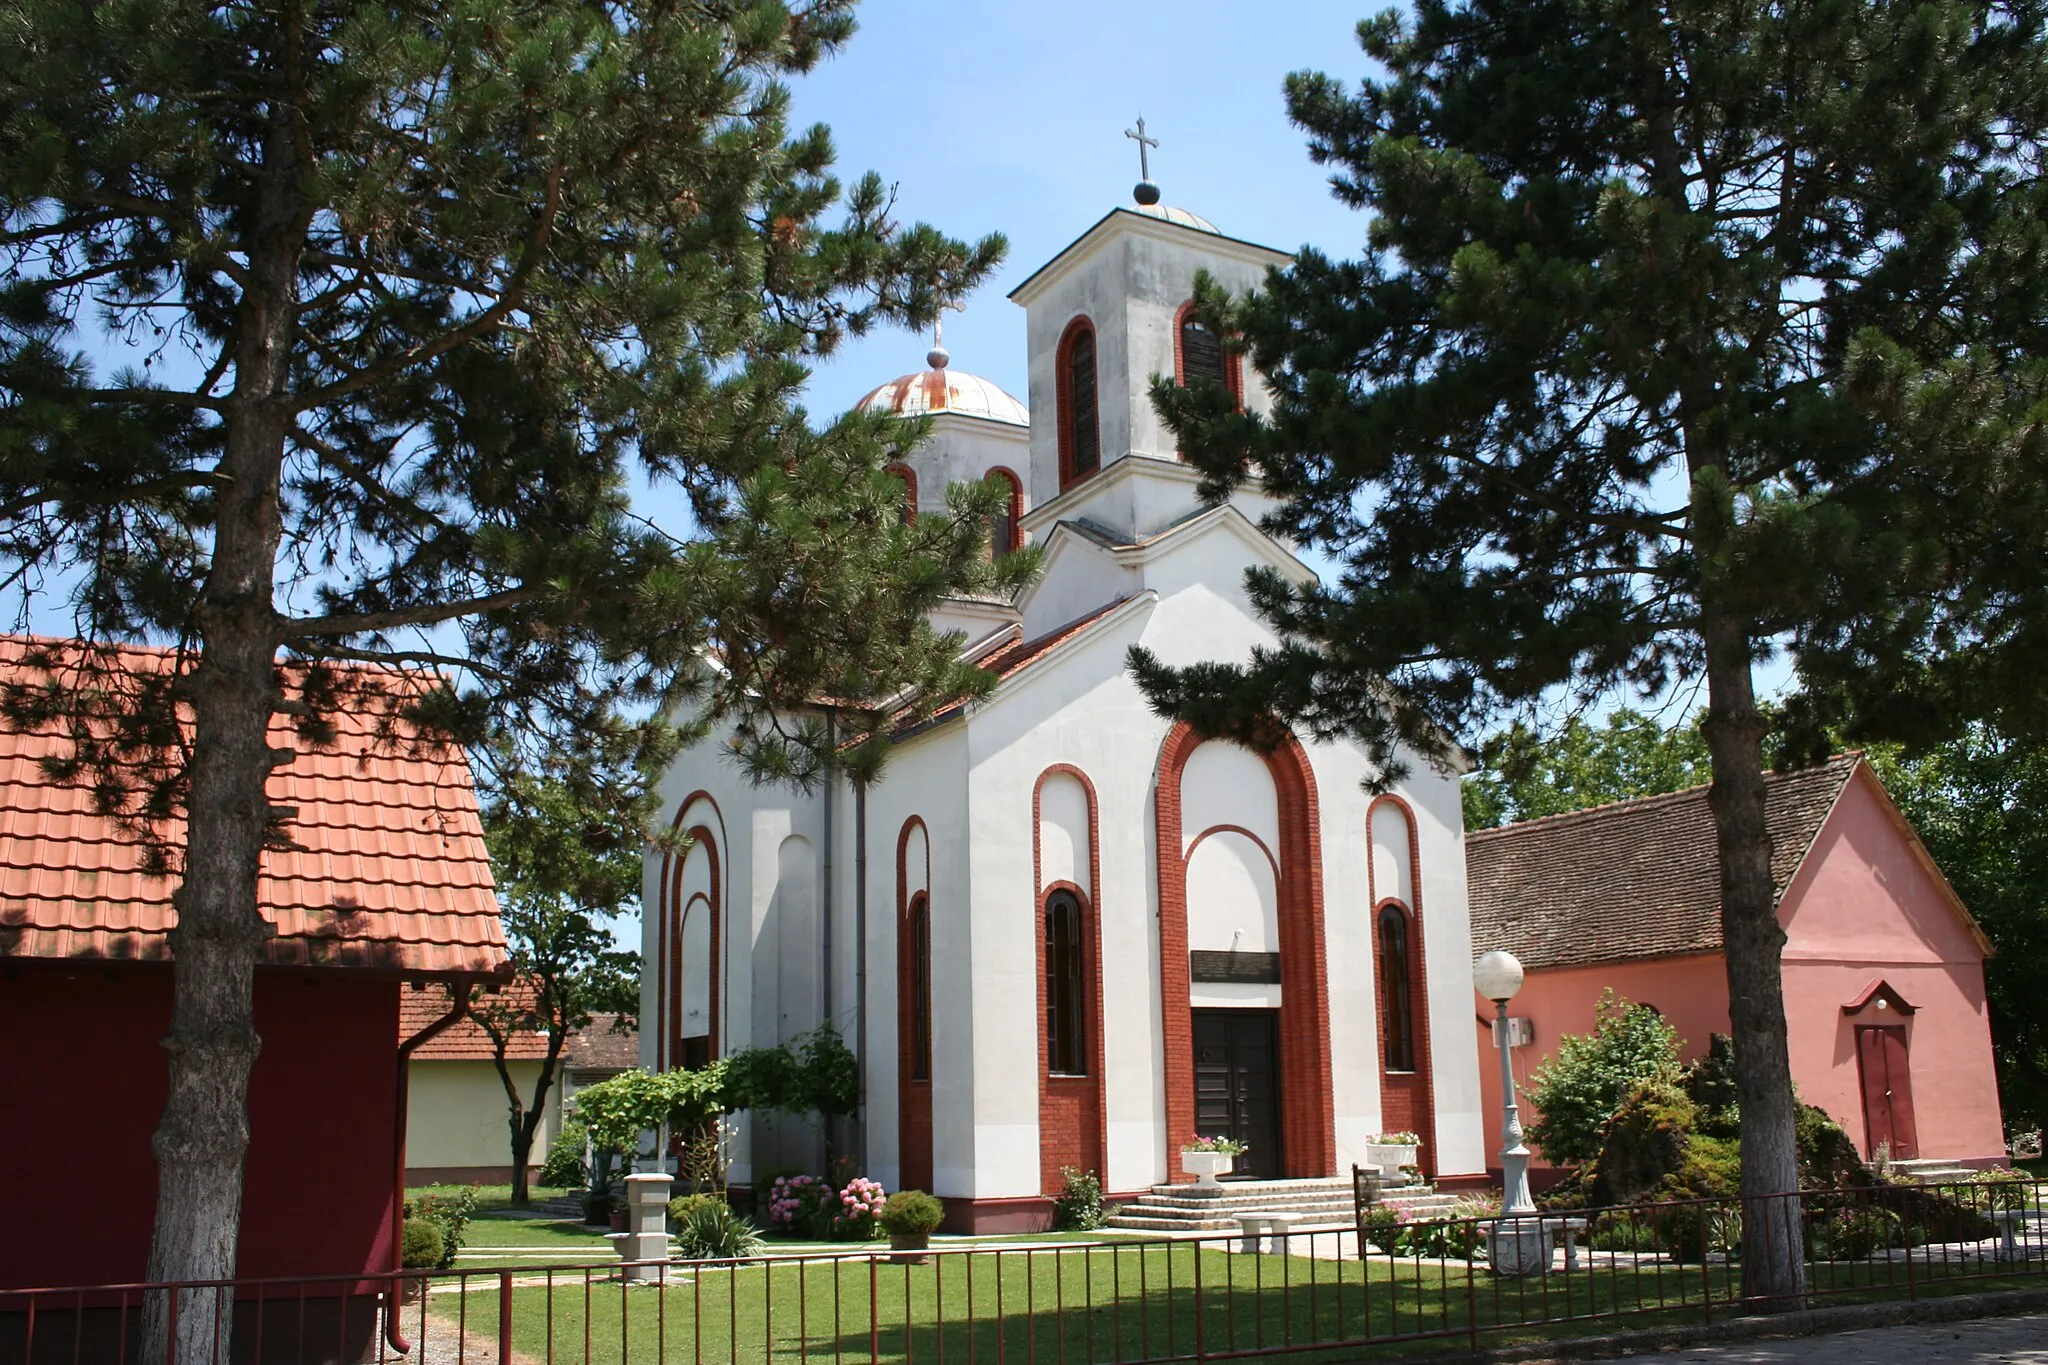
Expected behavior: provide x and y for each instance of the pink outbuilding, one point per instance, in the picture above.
(1883, 965)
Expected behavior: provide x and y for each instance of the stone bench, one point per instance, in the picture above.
(1267, 1233)
(2010, 1221)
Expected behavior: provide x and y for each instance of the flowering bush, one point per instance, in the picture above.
(808, 1206)
(1394, 1140)
(1222, 1146)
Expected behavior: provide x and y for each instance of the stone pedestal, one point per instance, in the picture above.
(1520, 1246)
(646, 1236)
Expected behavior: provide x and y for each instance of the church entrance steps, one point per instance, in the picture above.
(1933, 1170)
(1317, 1204)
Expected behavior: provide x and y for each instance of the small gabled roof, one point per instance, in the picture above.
(1009, 659)
(386, 869)
(1633, 879)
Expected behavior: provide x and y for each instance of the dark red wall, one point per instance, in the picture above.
(83, 1075)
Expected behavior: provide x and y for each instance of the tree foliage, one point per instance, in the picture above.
(1579, 1090)
(813, 1073)
(567, 851)
(1525, 773)
(1980, 804)
(1683, 331)
(337, 332)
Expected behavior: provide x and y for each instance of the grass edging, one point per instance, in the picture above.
(1842, 1317)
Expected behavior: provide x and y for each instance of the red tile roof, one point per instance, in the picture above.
(466, 1041)
(1633, 879)
(602, 1047)
(596, 1048)
(388, 869)
(1012, 659)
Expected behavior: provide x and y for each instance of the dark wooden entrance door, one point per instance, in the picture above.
(1237, 1086)
(1887, 1091)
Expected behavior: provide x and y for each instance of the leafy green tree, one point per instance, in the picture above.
(1684, 330)
(1980, 804)
(336, 332)
(1524, 774)
(1579, 1090)
(567, 865)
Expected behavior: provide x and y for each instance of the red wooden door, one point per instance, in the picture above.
(1887, 1091)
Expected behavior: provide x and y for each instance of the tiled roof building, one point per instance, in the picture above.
(387, 867)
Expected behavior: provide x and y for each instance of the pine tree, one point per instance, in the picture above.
(1685, 331)
(339, 333)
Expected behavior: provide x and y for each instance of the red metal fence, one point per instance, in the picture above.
(1076, 1303)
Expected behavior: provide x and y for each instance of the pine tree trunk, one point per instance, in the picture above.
(1773, 1250)
(203, 1137)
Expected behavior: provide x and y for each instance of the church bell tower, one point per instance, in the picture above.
(1102, 318)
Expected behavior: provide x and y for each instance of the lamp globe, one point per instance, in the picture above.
(1497, 975)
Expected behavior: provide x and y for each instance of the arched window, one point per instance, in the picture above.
(1198, 354)
(920, 988)
(903, 472)
(1398, 1003)
(1066, 986)
(1080, 421)
(1002, 527)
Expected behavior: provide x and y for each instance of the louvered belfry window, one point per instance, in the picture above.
(1066, 986)
(1201, 354)
(1084, 423)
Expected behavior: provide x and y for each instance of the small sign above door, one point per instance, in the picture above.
(1206, 966)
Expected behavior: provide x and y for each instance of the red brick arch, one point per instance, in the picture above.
(1407, 1098)
(913, 1097)
(668, 932)
(1072, 1110)
(1307, 1110)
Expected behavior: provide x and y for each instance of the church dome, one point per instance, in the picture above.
(1168, 213)
(940, 389)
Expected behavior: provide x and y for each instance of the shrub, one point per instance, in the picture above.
(421, 1245)
(1593, 1074)
(1855, 1232)
(1458, 1241)
(1079, 1207)
(1619, 1232)
(1383, 1227)
(710, 1231)
(910, 1213)
(1687, 1232)
(564, 1168)
(683, 1205)
(450, 1215)
(808, 1206)
(1645, 1142)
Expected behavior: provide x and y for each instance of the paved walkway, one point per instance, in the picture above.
(1987, 1341)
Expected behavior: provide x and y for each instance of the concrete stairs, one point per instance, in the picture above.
(1933, 1170)
(1319, 1204)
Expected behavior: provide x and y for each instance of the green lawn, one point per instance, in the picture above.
(1107, 1302)
(489, 1198)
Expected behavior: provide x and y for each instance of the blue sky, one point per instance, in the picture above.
(1010, 118)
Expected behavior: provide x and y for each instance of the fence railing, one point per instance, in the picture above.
(1108, 1302)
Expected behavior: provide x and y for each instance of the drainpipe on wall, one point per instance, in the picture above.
(860, 967)
(459, 990)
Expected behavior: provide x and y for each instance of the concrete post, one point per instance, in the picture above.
(646, 1234)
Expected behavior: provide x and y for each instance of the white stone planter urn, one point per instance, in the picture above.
(1205, 1167)
(1390, 1157)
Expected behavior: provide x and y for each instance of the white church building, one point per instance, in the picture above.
(1061, 930)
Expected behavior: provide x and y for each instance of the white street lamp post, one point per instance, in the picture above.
(1518, 1248)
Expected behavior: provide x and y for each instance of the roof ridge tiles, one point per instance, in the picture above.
(1639, 802)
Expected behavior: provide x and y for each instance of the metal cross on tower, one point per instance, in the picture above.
(1146, 193)
(1145, 145)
